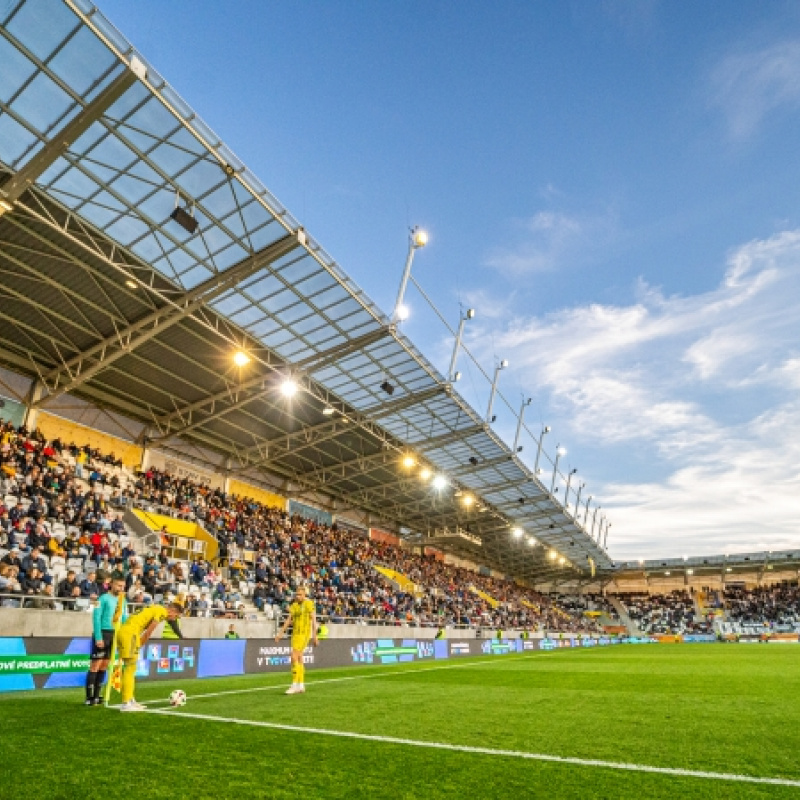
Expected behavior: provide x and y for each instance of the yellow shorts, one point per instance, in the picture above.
(128, 644)
(300, 642)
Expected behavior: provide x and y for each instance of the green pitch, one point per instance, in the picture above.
(731, 709)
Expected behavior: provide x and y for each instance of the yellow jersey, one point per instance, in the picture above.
(302, 614)
(138, 623)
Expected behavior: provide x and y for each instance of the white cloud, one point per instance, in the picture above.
(749, 86)
(552, 240)
(701, 388)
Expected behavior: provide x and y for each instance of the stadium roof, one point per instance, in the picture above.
(106, 296)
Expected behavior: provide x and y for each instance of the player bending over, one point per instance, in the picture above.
(108, 614)
(135, 634)
(303, 619)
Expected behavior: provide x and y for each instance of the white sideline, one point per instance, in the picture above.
(383, 673)
(462, 748)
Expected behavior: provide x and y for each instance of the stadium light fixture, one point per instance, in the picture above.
(468, 500)
(328, 411)
(387, 387)
(561, 560)
(552, 555)
(289, 388)
(439, 482)
(131, 284)
(5, 206)
(418, 238)
(241, 359)
(517, 532)
(425, 474)
(409, 461)
(532, 541)
(452, 372)
(184, 218)
(403, 312)
(503, 364)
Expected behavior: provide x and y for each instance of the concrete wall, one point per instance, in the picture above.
(33, 622)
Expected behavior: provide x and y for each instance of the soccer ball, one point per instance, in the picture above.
(177, 698)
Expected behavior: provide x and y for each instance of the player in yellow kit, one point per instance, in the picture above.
(134, 634)
(303, 619)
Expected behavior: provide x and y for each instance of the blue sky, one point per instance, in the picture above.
(614, 186)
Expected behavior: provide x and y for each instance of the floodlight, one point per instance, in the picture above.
(409, 461)
(504, 363)
(185, 219)
(387, 387)
(289, 388)
(516, 532)
(425, 473)
(532, 541)
(138, 68)
(552, 555)
(439, 482)
(5, 205)
(328, 411)
(132, 284)
(241, 359)
(470, 313)
(561, 451)
(403, 312)
(457, 377)
(419, 237)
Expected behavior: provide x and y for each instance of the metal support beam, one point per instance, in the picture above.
(447, 438)
(256, 388)
(60, 142)
(272, 449)
(86, 365)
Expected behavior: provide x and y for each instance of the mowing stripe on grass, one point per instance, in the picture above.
(487, 751)
(382, 674)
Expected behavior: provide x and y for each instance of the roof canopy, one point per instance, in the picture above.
(106, 296)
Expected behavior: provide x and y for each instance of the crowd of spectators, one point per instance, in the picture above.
(777, 605)
(64, 530)
(672, 613)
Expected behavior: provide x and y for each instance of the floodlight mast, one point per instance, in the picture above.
(416, 239)
(501, 366)
(545, 431)
(560, 451)
(520, 420)
(453, 376)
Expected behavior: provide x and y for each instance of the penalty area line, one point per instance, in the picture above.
(383, 674)
(488, 751)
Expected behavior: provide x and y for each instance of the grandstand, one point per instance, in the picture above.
(194, 393)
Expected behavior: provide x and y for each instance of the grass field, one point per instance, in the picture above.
(732, 709)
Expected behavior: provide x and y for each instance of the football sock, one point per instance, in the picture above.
(128, 680)
(98, 682)
(90, 685)
(295, 673)
(301, 673)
